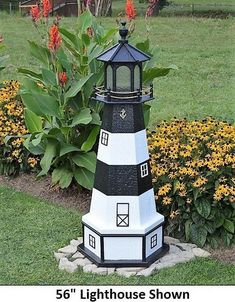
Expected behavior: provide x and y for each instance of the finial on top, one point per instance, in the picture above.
(123, 31)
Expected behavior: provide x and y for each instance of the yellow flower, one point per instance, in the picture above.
(199, 182)
(166, 200)
(164, 189)
(32, 162)
(174, 214)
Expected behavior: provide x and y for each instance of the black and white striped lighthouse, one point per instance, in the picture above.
(123, 227)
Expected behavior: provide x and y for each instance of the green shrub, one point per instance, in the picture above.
(193, 174)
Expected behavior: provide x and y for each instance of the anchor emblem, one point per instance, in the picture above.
(123, 113)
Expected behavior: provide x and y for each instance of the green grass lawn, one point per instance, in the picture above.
(203, 49)
(179, 6)
(32, 229)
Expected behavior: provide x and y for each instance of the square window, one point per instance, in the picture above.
(104, 138)
(123, 214)
(144, 170)
(153, 241)
(92, 241)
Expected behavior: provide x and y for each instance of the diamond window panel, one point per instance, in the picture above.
(122, 214)
(92, 241)
(144, 170)
(104, 138)
(153, 241)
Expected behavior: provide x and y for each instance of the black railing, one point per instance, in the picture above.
(109, 96)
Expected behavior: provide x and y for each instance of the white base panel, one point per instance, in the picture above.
(122, 248)
(97, 248)
(159, 233)
(124, 148)
(142, 213)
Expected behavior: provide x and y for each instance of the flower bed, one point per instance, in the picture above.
(13, 155)
(193, 173)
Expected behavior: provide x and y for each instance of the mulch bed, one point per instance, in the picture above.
(80, 200)
(70, 198)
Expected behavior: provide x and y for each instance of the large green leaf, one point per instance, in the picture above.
(150, 74)
(203, 207)
(187, 229)
(33, 121)
(146, 111)
(89, 143)
(144, 46)
(82, 117)
(77, 86)
(49, 77)
(96, 119)
(31, 104)
(38, 138)
(36, 150)
(50, 153)
(68, 148)
(70, 36)
(85, 20)
(218, 222)
(48, 104)
(229, 226)
(198, 235)
(30, 74)
(84, 177)
(86, 160)
(209, 226)
(40, 53)
(62, 176)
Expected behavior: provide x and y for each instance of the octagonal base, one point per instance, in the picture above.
(124, 263)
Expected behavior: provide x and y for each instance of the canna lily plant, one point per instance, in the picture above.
(62, 122)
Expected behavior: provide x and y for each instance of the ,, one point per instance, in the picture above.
(123, 227)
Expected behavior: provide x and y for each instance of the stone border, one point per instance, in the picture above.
(70, 259)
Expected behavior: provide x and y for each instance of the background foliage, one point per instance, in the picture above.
(193, 173)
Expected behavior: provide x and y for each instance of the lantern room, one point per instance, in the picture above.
(123, 73)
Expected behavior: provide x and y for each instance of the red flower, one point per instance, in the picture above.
(46, 7)
(62, 78)
(54, 38)
(130, 10)
(35, 13)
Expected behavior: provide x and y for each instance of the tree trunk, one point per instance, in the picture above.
(98, 8)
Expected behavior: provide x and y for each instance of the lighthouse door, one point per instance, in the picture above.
(122, 214)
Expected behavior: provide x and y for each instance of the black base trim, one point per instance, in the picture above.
(123, 263)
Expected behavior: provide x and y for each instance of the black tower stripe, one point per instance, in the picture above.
(126, 118)
(122, 180)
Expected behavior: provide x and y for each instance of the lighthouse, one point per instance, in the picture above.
(123, 227)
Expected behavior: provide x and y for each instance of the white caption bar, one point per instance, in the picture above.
(116, 293)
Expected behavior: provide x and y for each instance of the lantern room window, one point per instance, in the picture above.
(137, 77)
(109, 77)
(123, 78)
